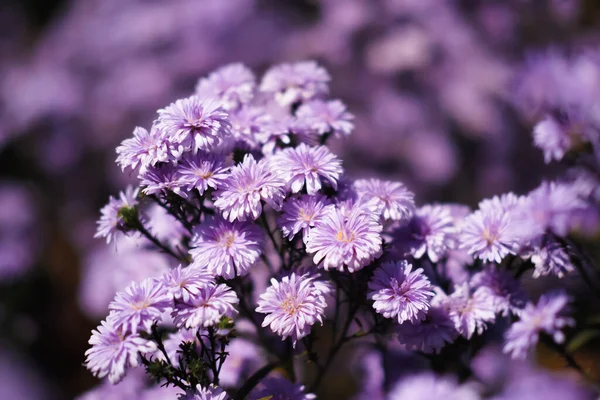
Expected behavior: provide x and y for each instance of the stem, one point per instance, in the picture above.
(265, 224)
(142, 229)
(254, 380)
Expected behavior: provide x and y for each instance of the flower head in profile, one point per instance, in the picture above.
(431, 232)
(302, 214)
(233, 84)
(111, 222)
(140, 305)
(211, 392)
(224, 248)
(392, 200)
(348, 240)
(324, 117)
(399, 292)
(470, 312)
(293, 305)
(552, 137)
(248, 184)
(202, 171)
(547, 316)
(184, 283)
(194, 124)
(280, 389)
(144, 149)
(429, 335)
(290, 83)
(206, 308)
(309, 167)
(113, 351)
(550, 257)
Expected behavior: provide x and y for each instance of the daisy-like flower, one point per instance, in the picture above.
(503, 289)
(211, 392)
(248, 184)
(232, 84)
(429, 335)
(293, 305)
(547, 316)
(506, 202)
(140, 305)
(206, 308)
(113, 351)
(399, 292)
(110, 221)
(325, 117)
(549, 257)
(166, 177)
(143, 149)
(351, 240)
(431, 231)
(280, 389)
(391, 200)
(194, 124)
(307, 166)
(201, 171)
(489, 234)
(302, 214)
(291, 83)
(185, 283)
(552, 138)
(224, 248)
(248, 125)
(470, 312)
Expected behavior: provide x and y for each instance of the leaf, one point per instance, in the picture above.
(582, 338)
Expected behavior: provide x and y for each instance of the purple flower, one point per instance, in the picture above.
(224, 248)
(552, 138)
(302, 214)
(489, 234)
(193, 124)
(549, 257)
(248, 184)
(185, 283)
(293, 305)
(324, 117)
(244, 359)
(140, 305)
(280, 389)
(144, 149)
(503, 289)
(506, 202)
(211, 392)
(248, 124)
(310, 166)
(399, 292)
(339, 241)
(206, 308)
(431, 231)
(232, 84)
(110, 221)
(295, 82)
(163, 178)
(392, 200)
(429, 335)
(427, 386)
(201, 171)
(470, 312)
(545, 317)
(113, 351)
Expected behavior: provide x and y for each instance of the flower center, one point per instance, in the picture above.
(345, 236)
(227, 240)
(304, 216)
(289, 307)
(489, 236)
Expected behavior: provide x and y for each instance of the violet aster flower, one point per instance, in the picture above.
(549, 257)
(431, 231)
(506, 202)
(339, 241)
(232, 84)
(140, 305)
(489, 234)
(400, 292)
(224, 248)
(280, 389)
(427, 386)
(248, 184)
(249, 124)
(201, 171)
(211, 392)
(392, 200)
(113, 351)
(503, 289)
(295, 82)
(163, 178)
(552, 138)
(293, 305)
(206, 308)
(308, 167)
(324, 117)
(429, 335)
(110, 221)
(143, 149)
(194, 124)
(547, 316)
(185, 283)
(470, 312)
(302, 214)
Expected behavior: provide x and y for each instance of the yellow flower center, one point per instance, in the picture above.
(289, 307)
(345, 236)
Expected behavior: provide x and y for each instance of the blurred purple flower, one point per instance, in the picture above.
(211, 392)
(549, 257)
(427, 386)
(324, 117)
(280, 389)
(551, 137)
(504, 290)
(470, 312)
(392, 200)
(429, 335)
(300, 81)
(232, 84)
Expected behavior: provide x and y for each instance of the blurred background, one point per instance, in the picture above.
(433, 85)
